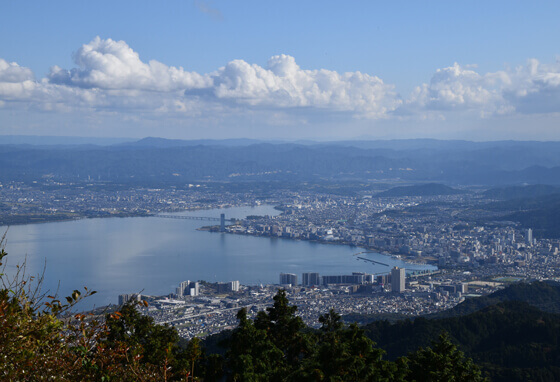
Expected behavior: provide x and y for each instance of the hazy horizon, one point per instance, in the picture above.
(33, 139)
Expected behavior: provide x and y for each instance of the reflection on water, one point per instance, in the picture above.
(150, 254)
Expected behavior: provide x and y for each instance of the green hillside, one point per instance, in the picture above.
(430, 189)
(513, 334)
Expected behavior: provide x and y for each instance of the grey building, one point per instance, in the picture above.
(398, 277)
(288, 278)
(187, 288)
(309, 279)
(124, 298)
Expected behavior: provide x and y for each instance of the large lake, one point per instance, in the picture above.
(151, 254)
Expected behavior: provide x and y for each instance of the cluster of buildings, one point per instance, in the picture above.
(48, 200)
(396, 279)
(187, 288)
(216, 306)
(125, 298)
(440, 230)
(192, 288)
(474, 258)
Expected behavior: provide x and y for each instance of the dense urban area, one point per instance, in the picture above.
(475, 252)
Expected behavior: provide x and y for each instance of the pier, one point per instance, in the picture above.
(373, 261)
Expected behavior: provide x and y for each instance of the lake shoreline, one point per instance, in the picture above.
(116, 256)
(396, 256)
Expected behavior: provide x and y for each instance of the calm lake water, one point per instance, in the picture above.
(153, 255)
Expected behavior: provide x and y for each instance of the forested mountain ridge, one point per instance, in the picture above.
(429, 189)
(543, 295)
(520, 192)
(511, 341)
(540, 213)
(513, 334)
(453, 162)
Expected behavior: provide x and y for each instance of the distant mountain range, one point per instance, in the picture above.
(166, 143)
(430, 189)
(164, 160)
(518, 192)
(536, 207)
(39, 140)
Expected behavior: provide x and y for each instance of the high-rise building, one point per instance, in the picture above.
(124, 298)
(222, 222)
(193, 288)
(310, 279)
(181, 290)
(384, 279)
(368, 278)
(187, 288)
(344, 279)
(398, 276)
(232, 286)
(530, 236)
(288, 278)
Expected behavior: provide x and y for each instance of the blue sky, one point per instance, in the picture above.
(474, 70)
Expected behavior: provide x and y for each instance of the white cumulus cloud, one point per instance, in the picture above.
(460, 88)
(113, 65)
(284, 84)
(12, 72)
(16, 82)
(535, 88)
(110, 78)
(109, 64)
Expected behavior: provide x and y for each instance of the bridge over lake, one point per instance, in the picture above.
(195, 218)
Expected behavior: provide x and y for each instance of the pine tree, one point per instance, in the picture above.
(443, 362)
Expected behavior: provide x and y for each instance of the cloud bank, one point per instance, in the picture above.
(111, 77)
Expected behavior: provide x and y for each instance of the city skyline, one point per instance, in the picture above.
(197, 69)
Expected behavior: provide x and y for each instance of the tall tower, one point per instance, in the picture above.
(222, 222)
(398, 276)
(530, 236)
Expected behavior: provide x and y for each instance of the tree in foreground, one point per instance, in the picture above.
(443, 362)
(43, 341)
(251, 355)
(345, 353)
(277, 346)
